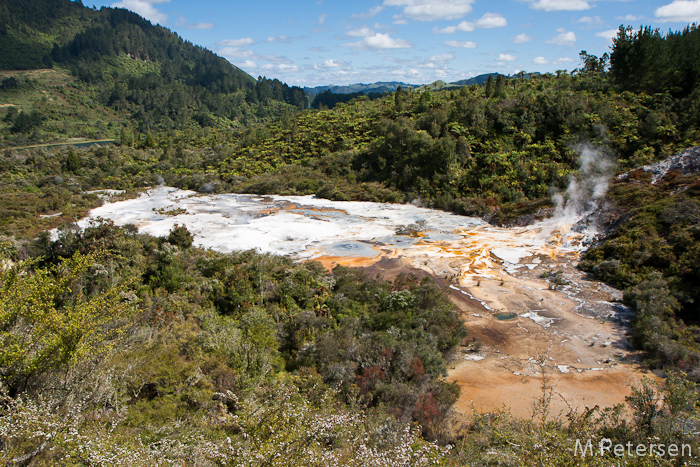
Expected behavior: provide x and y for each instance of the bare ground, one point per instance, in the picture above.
(576, 331)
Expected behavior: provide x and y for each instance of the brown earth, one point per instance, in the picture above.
(575, 332)
(586, 359)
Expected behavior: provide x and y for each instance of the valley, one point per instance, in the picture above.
(479, 269)
(526, 306)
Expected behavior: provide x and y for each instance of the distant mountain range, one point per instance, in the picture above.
(481, 79)
(390, 86)
(380, 87)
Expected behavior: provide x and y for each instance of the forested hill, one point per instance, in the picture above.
(165, 81)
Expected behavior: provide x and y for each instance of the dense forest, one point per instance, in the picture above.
(650, 62)
(117, 348)
(481, 150)
(161, 80)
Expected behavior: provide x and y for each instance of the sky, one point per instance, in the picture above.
(334, 42)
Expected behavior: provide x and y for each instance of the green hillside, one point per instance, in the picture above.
(146, 74)
(52, 105)
(478, 150)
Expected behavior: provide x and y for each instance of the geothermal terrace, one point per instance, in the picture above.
(520, 322)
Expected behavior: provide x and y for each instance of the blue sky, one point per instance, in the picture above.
(320, 42)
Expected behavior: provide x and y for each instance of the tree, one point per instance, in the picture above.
(489, 86)
(180, 236)
(73, 162)
(646, 60)
(11, 114)
(9, 83)
(398, 99)
(26, 121)
(593, 64)
(126, 138)
(48, 324)
(150, 141)
(500, 90)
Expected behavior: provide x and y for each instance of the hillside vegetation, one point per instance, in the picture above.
(117, 348)
(147, 74)
(480, 151)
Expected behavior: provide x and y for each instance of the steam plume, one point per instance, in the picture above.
(586, 187)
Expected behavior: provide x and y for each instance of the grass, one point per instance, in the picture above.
(70, 110)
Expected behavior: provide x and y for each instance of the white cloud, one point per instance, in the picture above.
(431, 10)
(560, 5)
(283, 67)
(679, 11)
(201, 26)
(540, 61)
(279, 59)
(464, 26)
(591, 21)
(281, 38)
(379, 41)
(331, 64)
(491, 20)
(374, 11)
(237, 42)
(144, 8)
(442, 58)
(609, 34)
(362, 32)
(628, 18)
(464, 45)
(236, 52)
(521, 39)
(389, 58)
(564, 38)
(488, 21)
(182, 22)
(321, 19)
(562, 60)
(247, 64)
(507, 57)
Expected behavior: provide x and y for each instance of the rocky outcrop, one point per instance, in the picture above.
(602, 222)
(609, 216)
(687, 162)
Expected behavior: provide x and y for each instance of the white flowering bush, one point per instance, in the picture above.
(279, 427)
